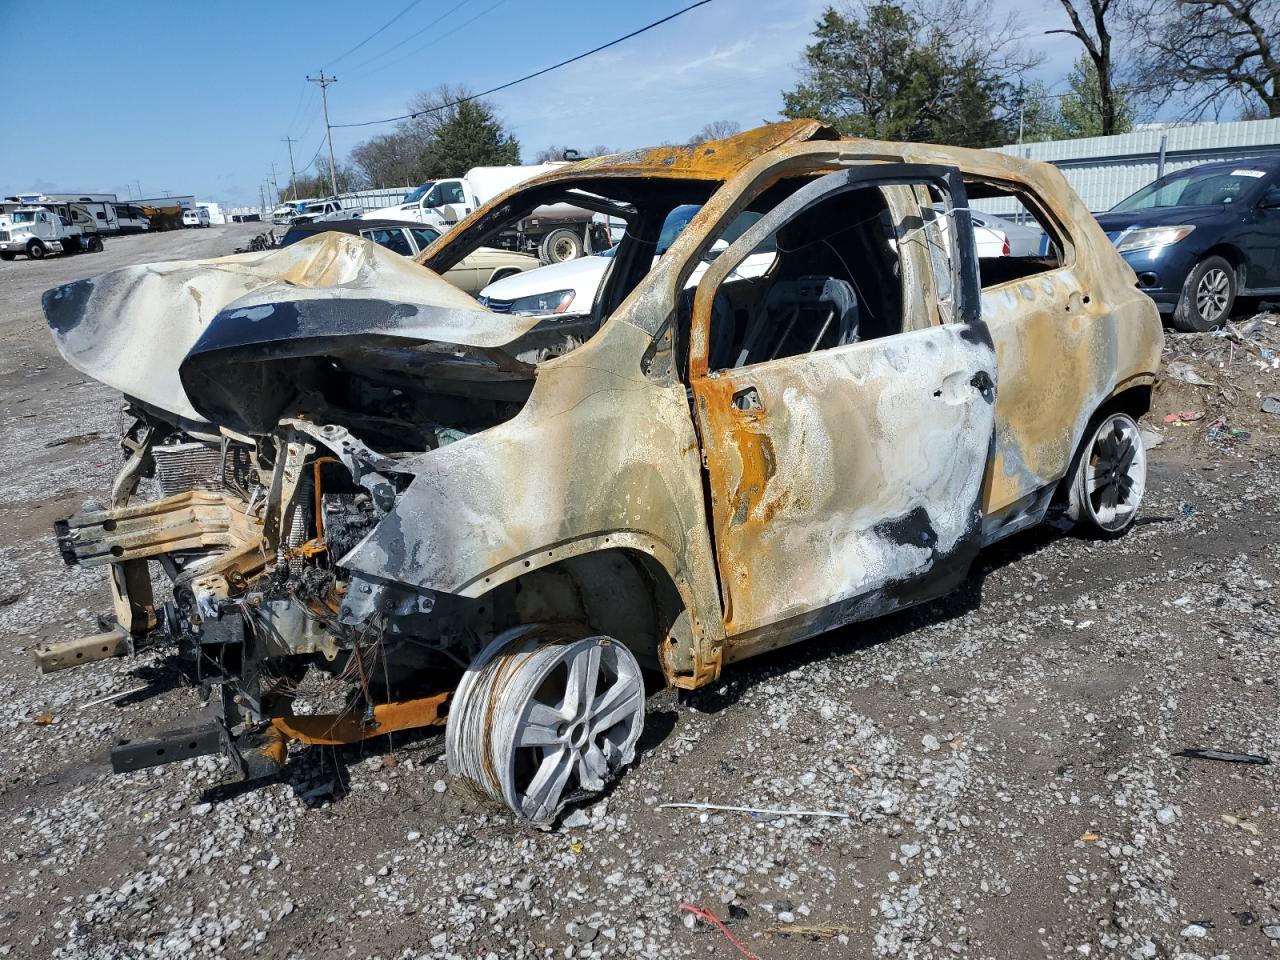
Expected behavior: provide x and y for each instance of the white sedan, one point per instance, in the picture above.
(570, 287)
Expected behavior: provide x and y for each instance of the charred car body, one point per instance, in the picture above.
(366, 488)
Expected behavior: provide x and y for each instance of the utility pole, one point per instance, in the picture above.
(262, 201)
(138, 184)
(274, 182)
(328, 130)
(293, 176)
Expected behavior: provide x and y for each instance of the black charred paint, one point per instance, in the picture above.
(912, 529)
(65, 306)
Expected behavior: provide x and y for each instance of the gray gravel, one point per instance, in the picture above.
(1006, 755)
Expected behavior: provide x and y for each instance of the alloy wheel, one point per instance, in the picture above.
(1213, 293)
(1113, 475)
(541, 720)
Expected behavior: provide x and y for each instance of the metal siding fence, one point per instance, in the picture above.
(373, 199)
(1105, 170)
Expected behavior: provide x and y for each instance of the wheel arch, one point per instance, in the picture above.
(1132, 396)
(623, 585)
(1231, 253)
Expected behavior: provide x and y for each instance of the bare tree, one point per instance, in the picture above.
(715, 130)
(1213, 55)
(1096, 36)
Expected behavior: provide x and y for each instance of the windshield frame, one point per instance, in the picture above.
(417, 193)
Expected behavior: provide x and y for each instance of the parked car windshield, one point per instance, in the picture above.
(415, 195)
(1193, 188)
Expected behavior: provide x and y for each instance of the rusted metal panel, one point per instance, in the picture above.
(860, 468)
(334, 729)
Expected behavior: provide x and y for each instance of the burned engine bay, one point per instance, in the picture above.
(276, 417)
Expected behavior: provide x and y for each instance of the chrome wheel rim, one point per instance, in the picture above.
(1212, 293)
(540, 721)
(1115, 474)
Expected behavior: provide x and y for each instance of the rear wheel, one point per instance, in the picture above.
(544, 717)
(1110, 477)
(95, 244)
(1208, 294)
(36, 250)
(560, 245)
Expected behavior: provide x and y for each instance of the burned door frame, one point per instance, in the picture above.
(877, 562)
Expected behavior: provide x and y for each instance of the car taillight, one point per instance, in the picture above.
(1004, 251)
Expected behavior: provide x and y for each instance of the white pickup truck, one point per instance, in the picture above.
(555, 233)
(39, 231)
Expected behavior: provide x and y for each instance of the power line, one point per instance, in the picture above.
(538, 73)
(412, 4)
(432, 42)
(416, 33)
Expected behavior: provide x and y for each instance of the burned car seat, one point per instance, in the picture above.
(800, 316)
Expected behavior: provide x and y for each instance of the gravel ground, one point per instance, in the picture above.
(1006, 756)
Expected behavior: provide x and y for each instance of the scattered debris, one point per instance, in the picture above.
(715, 921)
(1271, 403)
(113, 696)
(758, 811)
(1151, 439)
(1181, 370)
(1183, 416)
(1225, 756)
(816, 933)
(78, 440)
(43, 719)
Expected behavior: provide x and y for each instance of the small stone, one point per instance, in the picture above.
(1272, 931)
(200, 809)
(1194, 931)
(930, 743)
(786, 916)
(575, 819)
(440, 786)
(1166, 815)
(439, 940)
(413, 835)
(728, 897)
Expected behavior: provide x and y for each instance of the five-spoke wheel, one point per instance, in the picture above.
(540, 719)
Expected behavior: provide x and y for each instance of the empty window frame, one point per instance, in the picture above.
(1013, 235)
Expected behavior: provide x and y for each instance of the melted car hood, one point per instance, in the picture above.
(132, 329)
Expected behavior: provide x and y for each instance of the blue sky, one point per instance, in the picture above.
(194, 97)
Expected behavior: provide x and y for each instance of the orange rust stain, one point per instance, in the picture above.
(334, 729)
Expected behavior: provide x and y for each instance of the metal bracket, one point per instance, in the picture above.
(64, 654)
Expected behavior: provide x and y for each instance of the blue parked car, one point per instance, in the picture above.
(1200, 238)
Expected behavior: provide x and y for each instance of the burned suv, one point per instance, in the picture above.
(384, 507)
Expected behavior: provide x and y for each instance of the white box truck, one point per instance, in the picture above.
(555, 233)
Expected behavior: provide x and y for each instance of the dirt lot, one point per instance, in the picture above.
(1006, 755)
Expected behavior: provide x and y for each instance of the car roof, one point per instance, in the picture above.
(355, 226)
(1269, 163)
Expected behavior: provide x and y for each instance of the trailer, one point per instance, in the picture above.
(38, 231)
(101, 207)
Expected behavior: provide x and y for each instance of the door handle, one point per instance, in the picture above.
(747, 399)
